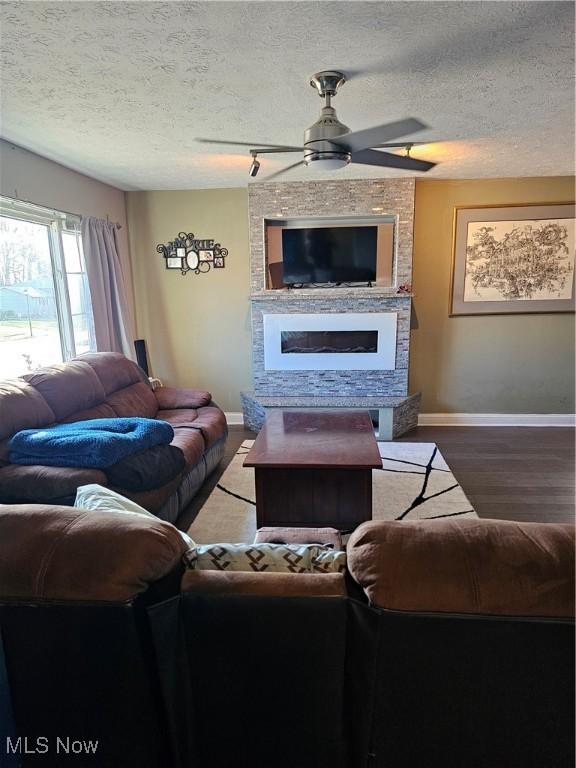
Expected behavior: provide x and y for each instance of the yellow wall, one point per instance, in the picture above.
(197, 327)
(494, 364)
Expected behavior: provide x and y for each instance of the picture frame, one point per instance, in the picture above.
(189, 254)
(192, 259)
(513, 259)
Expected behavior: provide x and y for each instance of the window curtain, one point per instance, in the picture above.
(108, 289)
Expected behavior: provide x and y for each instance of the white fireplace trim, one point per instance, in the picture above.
(384, 359)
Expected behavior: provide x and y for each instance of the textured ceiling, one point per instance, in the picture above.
(119, 90)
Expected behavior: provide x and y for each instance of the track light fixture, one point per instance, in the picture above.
(255, 166)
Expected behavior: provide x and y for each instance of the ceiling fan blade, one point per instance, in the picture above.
(254, 144)
(283, 170)
(370, 137)
(388, 160)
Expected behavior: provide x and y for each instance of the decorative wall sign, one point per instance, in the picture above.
(188, 254)
(513, 259)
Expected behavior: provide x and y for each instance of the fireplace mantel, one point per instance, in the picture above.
(337, 293)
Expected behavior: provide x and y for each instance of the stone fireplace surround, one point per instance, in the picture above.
(382, 390)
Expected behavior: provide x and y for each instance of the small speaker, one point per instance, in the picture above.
(141, 355)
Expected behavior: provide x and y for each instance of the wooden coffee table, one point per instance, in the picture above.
(314, 468)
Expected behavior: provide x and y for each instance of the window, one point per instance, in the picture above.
(45, 308)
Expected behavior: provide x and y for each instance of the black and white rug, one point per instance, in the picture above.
(414, 483)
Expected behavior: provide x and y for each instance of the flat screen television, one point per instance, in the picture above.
(329, 255)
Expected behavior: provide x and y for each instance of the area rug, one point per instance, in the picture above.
(414, 483)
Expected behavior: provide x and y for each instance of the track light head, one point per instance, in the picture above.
(255, 166)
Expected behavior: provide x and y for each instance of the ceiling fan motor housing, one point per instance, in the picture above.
(318, 146)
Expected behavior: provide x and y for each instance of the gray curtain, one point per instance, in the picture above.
(108, 289)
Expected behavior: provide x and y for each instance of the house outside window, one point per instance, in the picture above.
(45, 307)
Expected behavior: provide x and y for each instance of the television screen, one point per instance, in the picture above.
(329, 255)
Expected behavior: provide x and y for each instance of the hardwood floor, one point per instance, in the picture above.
(510, 473)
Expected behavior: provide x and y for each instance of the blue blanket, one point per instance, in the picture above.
(97, 443)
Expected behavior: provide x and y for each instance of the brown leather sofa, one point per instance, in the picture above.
(456, 648)
(470, 652)
(106, 385)
(76, 657)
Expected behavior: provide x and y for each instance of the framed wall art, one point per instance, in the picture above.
(187, 253)
(513, 259)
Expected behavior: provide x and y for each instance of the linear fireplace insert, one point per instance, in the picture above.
(328, 342)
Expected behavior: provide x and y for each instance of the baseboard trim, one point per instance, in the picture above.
(497, 420)
(233, 418)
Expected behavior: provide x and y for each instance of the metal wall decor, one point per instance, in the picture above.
(189, 254)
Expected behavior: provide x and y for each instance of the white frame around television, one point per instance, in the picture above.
(384, 359)
(319, 222)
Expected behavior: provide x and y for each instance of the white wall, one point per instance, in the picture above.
(27, 176)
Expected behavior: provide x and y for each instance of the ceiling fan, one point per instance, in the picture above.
(329, 144)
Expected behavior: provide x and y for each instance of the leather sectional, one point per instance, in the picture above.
(452, 646)
(106, 385)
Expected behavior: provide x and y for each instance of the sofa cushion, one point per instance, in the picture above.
(264, 584)
(4, 452)
(68, 387)
(113, 369)
(466, 566)
(134, 400)
(327, 537)
(63, 553)
(43, 484)
(172, 397)
(22, 407)
(279, 558)
(190, 441)
(212, 422)
(178, 415)
(153, 500)
(102, 411)
(147, 469)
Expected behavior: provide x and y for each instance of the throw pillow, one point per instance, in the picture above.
(100, 499)
(277, 558)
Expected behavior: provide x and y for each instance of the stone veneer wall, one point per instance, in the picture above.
(290, 200)
(325, 383)
(347, 198)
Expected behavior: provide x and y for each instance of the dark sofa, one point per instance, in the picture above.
(455, 650)
(106, 385)
(76, 657)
